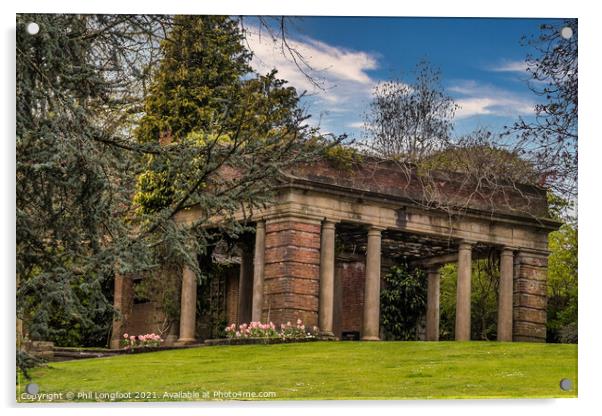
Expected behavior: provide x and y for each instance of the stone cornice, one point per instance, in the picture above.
(402, 202)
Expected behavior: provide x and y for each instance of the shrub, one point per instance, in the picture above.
(403, 302)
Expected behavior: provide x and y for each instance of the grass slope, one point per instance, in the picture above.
(326, 370)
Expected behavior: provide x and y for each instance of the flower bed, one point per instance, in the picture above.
(258, 330)
(250, 340)
(147, 341)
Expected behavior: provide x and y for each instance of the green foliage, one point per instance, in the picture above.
(203, 62)
(71, 172)
(403, 302)
(153, 191)
(342, 156)
(484, 298)
(205, 105)
(447, 301)
(560, 209)
(476, 156)
(25, 362)
(562, 285)
(484, 289)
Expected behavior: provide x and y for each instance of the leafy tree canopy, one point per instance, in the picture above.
(93, 137)
(206, 100)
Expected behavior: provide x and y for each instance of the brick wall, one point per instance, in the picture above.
(145, 318)
(530, 297)
(292, 271)
(350, 277)
(451, 188)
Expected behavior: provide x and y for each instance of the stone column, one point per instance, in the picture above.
(245, 285)
(188, 307)
(504, 314)
(122, 302)
(326, 306)
(258, 268)
(463, 292)
(372, 288)
(432, 305)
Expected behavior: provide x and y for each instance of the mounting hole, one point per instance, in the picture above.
(32, 28)
(566, 32)
(32, 388)
(566, 384)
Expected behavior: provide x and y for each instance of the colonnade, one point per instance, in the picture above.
(371, 311)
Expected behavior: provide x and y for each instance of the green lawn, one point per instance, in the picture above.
(323, 370)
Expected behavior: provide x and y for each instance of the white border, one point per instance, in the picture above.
(589, 200)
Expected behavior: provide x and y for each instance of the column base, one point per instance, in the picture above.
(186, 341)
(370, 338)
(171, 340)
(327, 336)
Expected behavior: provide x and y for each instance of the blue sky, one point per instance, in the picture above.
(482, 64)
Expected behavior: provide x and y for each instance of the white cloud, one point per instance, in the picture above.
(510, 66)
(482, 99)
(341, 73)
(356, 124)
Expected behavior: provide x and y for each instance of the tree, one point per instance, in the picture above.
(225, 133)
(403, 302)
(207, 105)
(550, 140)
(69, 162)
(409, 121)
(77, 80)
(200, 74)
(81, 84)
(562, 285)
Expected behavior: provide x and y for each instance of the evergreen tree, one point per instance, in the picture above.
(206, 102)
(204, 61)
(80, 87)
(75, 84)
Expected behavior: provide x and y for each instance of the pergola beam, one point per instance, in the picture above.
(436, 260)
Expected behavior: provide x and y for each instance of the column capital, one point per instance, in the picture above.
(433, 269)
(507, 251)
(466, 244)
(375, 230)
(329, 223)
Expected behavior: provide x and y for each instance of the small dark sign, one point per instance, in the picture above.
(350, 336)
